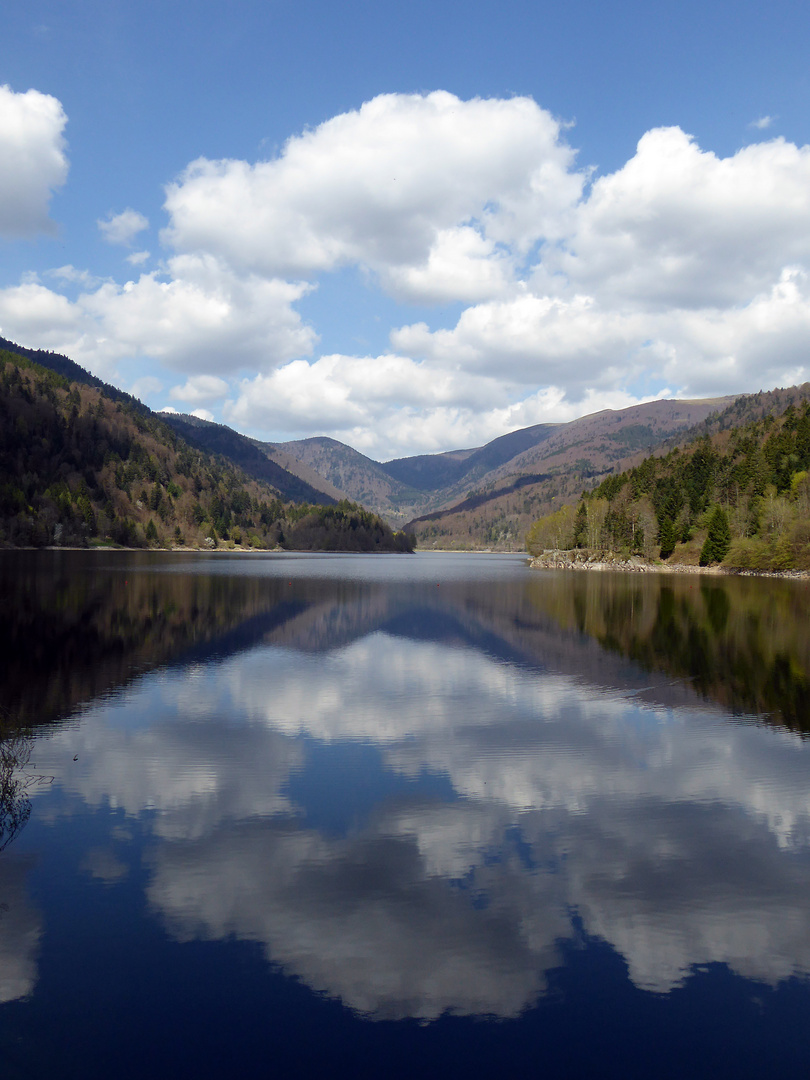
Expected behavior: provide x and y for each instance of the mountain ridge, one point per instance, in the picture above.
(79, 466)
(476, 497)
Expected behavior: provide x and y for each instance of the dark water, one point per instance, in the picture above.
(297, 816)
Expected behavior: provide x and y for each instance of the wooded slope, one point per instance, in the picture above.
(78, 466)
(739, 496)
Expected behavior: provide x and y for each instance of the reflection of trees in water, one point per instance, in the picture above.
(15, 805)
(739, 641)
(82, 626)
(78, 629)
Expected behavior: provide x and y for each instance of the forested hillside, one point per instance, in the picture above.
(79, 467)
(497, 510)
(488, 496)
(219, 439)
(739, 496)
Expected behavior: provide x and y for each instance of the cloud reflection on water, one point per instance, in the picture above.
(20, 931)
(677, 837)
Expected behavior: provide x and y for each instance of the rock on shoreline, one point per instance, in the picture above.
(584, 559)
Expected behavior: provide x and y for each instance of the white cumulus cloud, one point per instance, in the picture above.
(570, 291)
(33, 163)
(419, 188)
(124, 227)
(678, 227)
(200, 317)
(200, 389)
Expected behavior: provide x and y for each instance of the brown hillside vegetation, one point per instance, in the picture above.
(498, 512)
(349, 471)
(77, 467)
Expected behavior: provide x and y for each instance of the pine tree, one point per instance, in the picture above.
(667, 537)
(718, 538)
(581, 526)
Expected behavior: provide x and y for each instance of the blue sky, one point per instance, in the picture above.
(411, 227)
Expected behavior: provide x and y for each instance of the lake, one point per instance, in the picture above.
(400, 816)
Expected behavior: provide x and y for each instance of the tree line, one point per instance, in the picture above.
(740, 497)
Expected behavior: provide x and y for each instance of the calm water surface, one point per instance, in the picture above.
(390, 816)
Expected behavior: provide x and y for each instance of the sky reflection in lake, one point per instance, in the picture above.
(422, 794)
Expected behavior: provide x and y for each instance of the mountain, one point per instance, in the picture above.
(214, 438)
(558, 463)
(361, 478)
(488, 496)
(73, 372)
(80, 466)
(242, 451)
(432, 472)
(737, 493)
(400, 488)
(300, 469)
(478, 497)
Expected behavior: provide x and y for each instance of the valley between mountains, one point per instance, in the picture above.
(473, 498)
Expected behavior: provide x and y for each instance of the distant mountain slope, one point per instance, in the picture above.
(363, 479)
(750, 407)
(432, 472)
(298, 468)
(219, 439)
(497, 489)
(596, 442)
(429, 472)
(552, 471)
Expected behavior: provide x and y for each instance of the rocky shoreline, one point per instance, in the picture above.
(584, 559)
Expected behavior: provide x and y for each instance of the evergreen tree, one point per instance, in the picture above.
(667, 537)
(718, 538)
(581, 526)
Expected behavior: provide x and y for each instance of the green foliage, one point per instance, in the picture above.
(581, 526)
(718, 538)
(667, 537)
(755, 476)
(555, 531)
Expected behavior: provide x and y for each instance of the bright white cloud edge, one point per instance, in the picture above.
(681, 271)
(33, 163)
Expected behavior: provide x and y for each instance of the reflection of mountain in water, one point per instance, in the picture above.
(577, 800)
(739, 642)
(83, 625)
